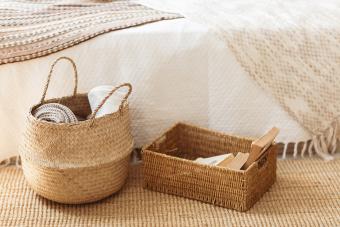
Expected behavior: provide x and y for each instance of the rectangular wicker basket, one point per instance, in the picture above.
(168, 168)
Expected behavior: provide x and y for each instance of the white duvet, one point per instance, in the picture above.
(179, 71)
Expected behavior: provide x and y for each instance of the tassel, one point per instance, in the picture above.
(285, 150)
(304, 148)
(325, 143)
(295, 149)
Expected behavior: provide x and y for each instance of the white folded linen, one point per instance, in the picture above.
(97, 94)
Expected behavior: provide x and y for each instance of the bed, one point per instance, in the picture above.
(179, 72)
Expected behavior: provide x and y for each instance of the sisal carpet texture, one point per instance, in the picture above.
(307, 193)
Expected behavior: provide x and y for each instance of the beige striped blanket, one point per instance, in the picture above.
(34, 28)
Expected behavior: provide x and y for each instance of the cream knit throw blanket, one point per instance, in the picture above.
(34, 28)
(291, 48)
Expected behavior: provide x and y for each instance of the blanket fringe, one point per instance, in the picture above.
(324, 144)
(15, 160)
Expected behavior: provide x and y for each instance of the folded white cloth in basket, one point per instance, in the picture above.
(55, 112)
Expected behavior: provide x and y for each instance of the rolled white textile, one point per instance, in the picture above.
(97, 94)
(55, 112)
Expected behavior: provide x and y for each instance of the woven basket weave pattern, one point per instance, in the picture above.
(168, 168)
(77, 162)
(79, 185)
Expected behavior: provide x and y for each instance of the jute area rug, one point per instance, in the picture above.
(307, 193)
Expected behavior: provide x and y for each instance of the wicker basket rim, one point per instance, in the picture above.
(215, 131)
(146, 146)
(116, 114)
(181, 123)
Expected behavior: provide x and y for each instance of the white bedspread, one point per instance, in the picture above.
(179, 71)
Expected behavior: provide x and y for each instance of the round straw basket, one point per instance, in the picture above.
(77, 162)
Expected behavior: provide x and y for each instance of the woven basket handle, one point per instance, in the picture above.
(51, 72)
(93, 115)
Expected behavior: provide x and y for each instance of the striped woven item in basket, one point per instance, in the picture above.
(55, 112)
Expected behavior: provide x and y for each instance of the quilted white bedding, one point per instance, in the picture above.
(179, 71)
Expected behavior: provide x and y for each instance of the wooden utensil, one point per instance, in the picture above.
(259, 146)
(238, 161)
